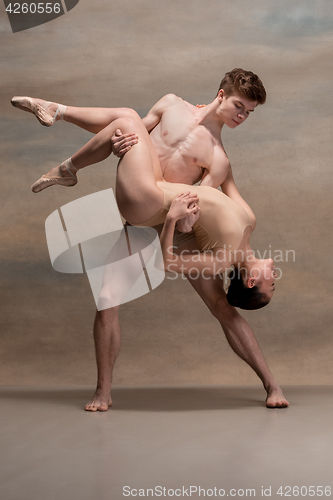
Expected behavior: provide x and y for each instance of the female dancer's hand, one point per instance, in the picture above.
(183, 205)
(185, 225)
(122, 143)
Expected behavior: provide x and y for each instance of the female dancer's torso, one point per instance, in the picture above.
(223, 223)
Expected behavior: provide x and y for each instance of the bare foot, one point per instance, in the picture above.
(101, 401)
(276, 399)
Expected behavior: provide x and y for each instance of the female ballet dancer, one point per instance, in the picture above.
(222, 231)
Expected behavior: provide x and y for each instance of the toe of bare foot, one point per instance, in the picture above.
(97, 406)
(91, 406)
(103, 407)
(277, 403)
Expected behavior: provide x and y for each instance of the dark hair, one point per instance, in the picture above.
(239, 295)
(245, 83)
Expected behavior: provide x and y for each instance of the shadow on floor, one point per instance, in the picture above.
(142, 398)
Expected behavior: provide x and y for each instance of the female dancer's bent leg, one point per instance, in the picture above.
(98, 149)
(138, 196)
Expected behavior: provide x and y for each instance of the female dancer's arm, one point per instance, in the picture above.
(208, 263)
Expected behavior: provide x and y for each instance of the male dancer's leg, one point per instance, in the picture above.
(237, 331)
(107, 346)
(239, 335)
(121, 271)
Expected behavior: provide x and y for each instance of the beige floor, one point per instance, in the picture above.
(210, 437)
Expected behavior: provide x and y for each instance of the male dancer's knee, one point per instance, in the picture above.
(107, 317)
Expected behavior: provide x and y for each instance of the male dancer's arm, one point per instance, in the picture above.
(229, 188)
(220, 174)
(154, 115)
(122, 143)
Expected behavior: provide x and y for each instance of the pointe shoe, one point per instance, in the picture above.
(39, 110)
(45, 182)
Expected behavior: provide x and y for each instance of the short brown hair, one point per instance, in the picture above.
(245, 83)
(239, 295)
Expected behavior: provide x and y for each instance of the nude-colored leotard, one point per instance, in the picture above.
(222, 221)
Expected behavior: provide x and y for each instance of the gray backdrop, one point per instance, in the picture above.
(131, 53)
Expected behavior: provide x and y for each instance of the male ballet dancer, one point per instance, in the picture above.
(187, 140)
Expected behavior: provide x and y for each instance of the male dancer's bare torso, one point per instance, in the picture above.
(187, 149)
(187, 140)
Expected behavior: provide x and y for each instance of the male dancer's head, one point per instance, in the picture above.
(239, 93)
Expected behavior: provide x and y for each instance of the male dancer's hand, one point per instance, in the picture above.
(122, 143)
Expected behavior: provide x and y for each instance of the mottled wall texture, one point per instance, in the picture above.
(131, 53)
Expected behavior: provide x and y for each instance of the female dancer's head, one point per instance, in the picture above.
(252, 285)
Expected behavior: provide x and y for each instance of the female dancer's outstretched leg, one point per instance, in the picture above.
(93, 119)
(90, 119)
